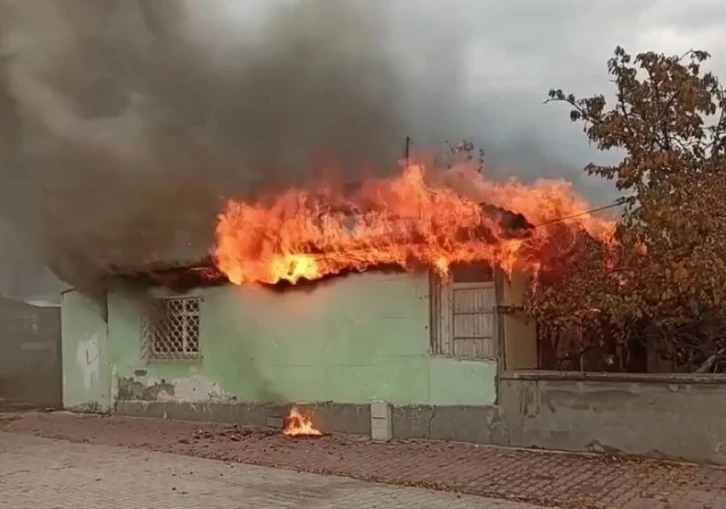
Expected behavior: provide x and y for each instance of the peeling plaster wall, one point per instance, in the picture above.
(84, 344)
(191, 389)
(349, 340)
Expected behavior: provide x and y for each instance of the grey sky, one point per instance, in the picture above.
(516, 50)
(491, 64)
(478, 69)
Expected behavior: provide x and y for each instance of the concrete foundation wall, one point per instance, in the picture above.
(681, 417)
(349, 340)
(474, 424)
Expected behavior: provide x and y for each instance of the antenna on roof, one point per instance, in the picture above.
(407, 151)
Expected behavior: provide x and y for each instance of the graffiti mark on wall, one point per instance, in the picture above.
(87, 358)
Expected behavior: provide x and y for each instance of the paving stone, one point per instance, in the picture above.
(40, 473)
(577, 481)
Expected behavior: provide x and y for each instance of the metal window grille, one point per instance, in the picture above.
(464, 314)
(170, 329)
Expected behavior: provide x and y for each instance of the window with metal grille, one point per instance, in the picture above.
(171, 329)
(464, 313)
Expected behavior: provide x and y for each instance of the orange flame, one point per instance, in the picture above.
(297, 424)
(419, 218)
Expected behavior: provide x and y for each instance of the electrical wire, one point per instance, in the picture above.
(617, 203)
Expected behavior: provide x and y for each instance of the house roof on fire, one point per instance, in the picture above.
(185, 261)
(179, 255)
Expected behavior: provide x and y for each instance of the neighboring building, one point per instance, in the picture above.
(30, 353)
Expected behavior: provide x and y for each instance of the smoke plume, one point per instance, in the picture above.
(125, 123)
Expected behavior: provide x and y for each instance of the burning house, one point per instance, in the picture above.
(406, 293)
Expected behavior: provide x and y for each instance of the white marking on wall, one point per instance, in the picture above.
(87, 358)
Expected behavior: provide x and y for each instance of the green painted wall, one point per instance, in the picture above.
(348, 340)
(86, 366)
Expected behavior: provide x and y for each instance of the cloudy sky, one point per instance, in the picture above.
(498, 59)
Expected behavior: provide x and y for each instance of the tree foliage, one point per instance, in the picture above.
(663, 282)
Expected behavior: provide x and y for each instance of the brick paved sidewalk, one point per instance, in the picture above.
(545, 478)
(39, 473)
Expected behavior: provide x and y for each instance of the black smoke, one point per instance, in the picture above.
(125, 123)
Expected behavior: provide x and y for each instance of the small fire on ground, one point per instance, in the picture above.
(299, 425)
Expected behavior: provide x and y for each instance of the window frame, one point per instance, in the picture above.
(153, 326)
(442, 333)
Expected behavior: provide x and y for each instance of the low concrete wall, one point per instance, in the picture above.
(476, 424)
(680, 417)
